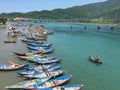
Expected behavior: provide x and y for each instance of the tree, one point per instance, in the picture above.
(3, 20)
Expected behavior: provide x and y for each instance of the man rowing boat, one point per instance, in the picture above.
(97, 58)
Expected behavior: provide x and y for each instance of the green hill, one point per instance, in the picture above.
(108, 10)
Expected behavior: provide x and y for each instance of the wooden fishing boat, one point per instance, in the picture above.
(37, 48)
(66, 87)
(25, 53)
(24, 84)
(43, 51)
(12, 66)
(41, 59)
(38, 70)
(44, 38)
(31, 41)
(38, 74)
(30, 56)
(50, 83)
(46, 60)
(34, 52)
(45, 66)
(38, 56)
(39, 45)
(56, 60)
(95, 60)
(10, 41)
(33, 38)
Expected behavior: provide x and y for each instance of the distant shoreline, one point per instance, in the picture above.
(74, 23)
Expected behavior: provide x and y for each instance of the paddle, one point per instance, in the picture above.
(13, 63)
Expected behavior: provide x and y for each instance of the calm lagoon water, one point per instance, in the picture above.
(74, 46)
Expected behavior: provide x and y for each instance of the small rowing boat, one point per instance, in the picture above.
(50, 83)
(52, 73)
(66, 87)
(12, 66)
(95, 60)
(10, 41)
(38, 70)
(24, 84)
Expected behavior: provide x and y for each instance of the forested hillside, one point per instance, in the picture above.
(108, 10)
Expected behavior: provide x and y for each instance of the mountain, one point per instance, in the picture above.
(109, 9)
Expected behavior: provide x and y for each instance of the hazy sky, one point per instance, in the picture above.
(38, 5)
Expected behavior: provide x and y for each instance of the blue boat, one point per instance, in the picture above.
(34, 38)
(66, 87)
(31, 41)
(24, 53)
(33, 52)
(43, 51)
(38, 70)
(46, 61)
(33, 58)
(38, 74)
(45, 66)
(10, 67)
(24, 84)
(37, 48)
(39, 45)
(42, 59)
(50, 83)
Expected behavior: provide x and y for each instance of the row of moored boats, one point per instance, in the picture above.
(45, 74)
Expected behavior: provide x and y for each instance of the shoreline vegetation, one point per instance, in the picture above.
(19, 20)
(85, 25)
(107, 12)
(62, 21)
(77, 21)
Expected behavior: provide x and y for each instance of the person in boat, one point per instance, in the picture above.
(97, 58)
(90, 57)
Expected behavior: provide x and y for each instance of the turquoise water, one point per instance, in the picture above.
(74, 46)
